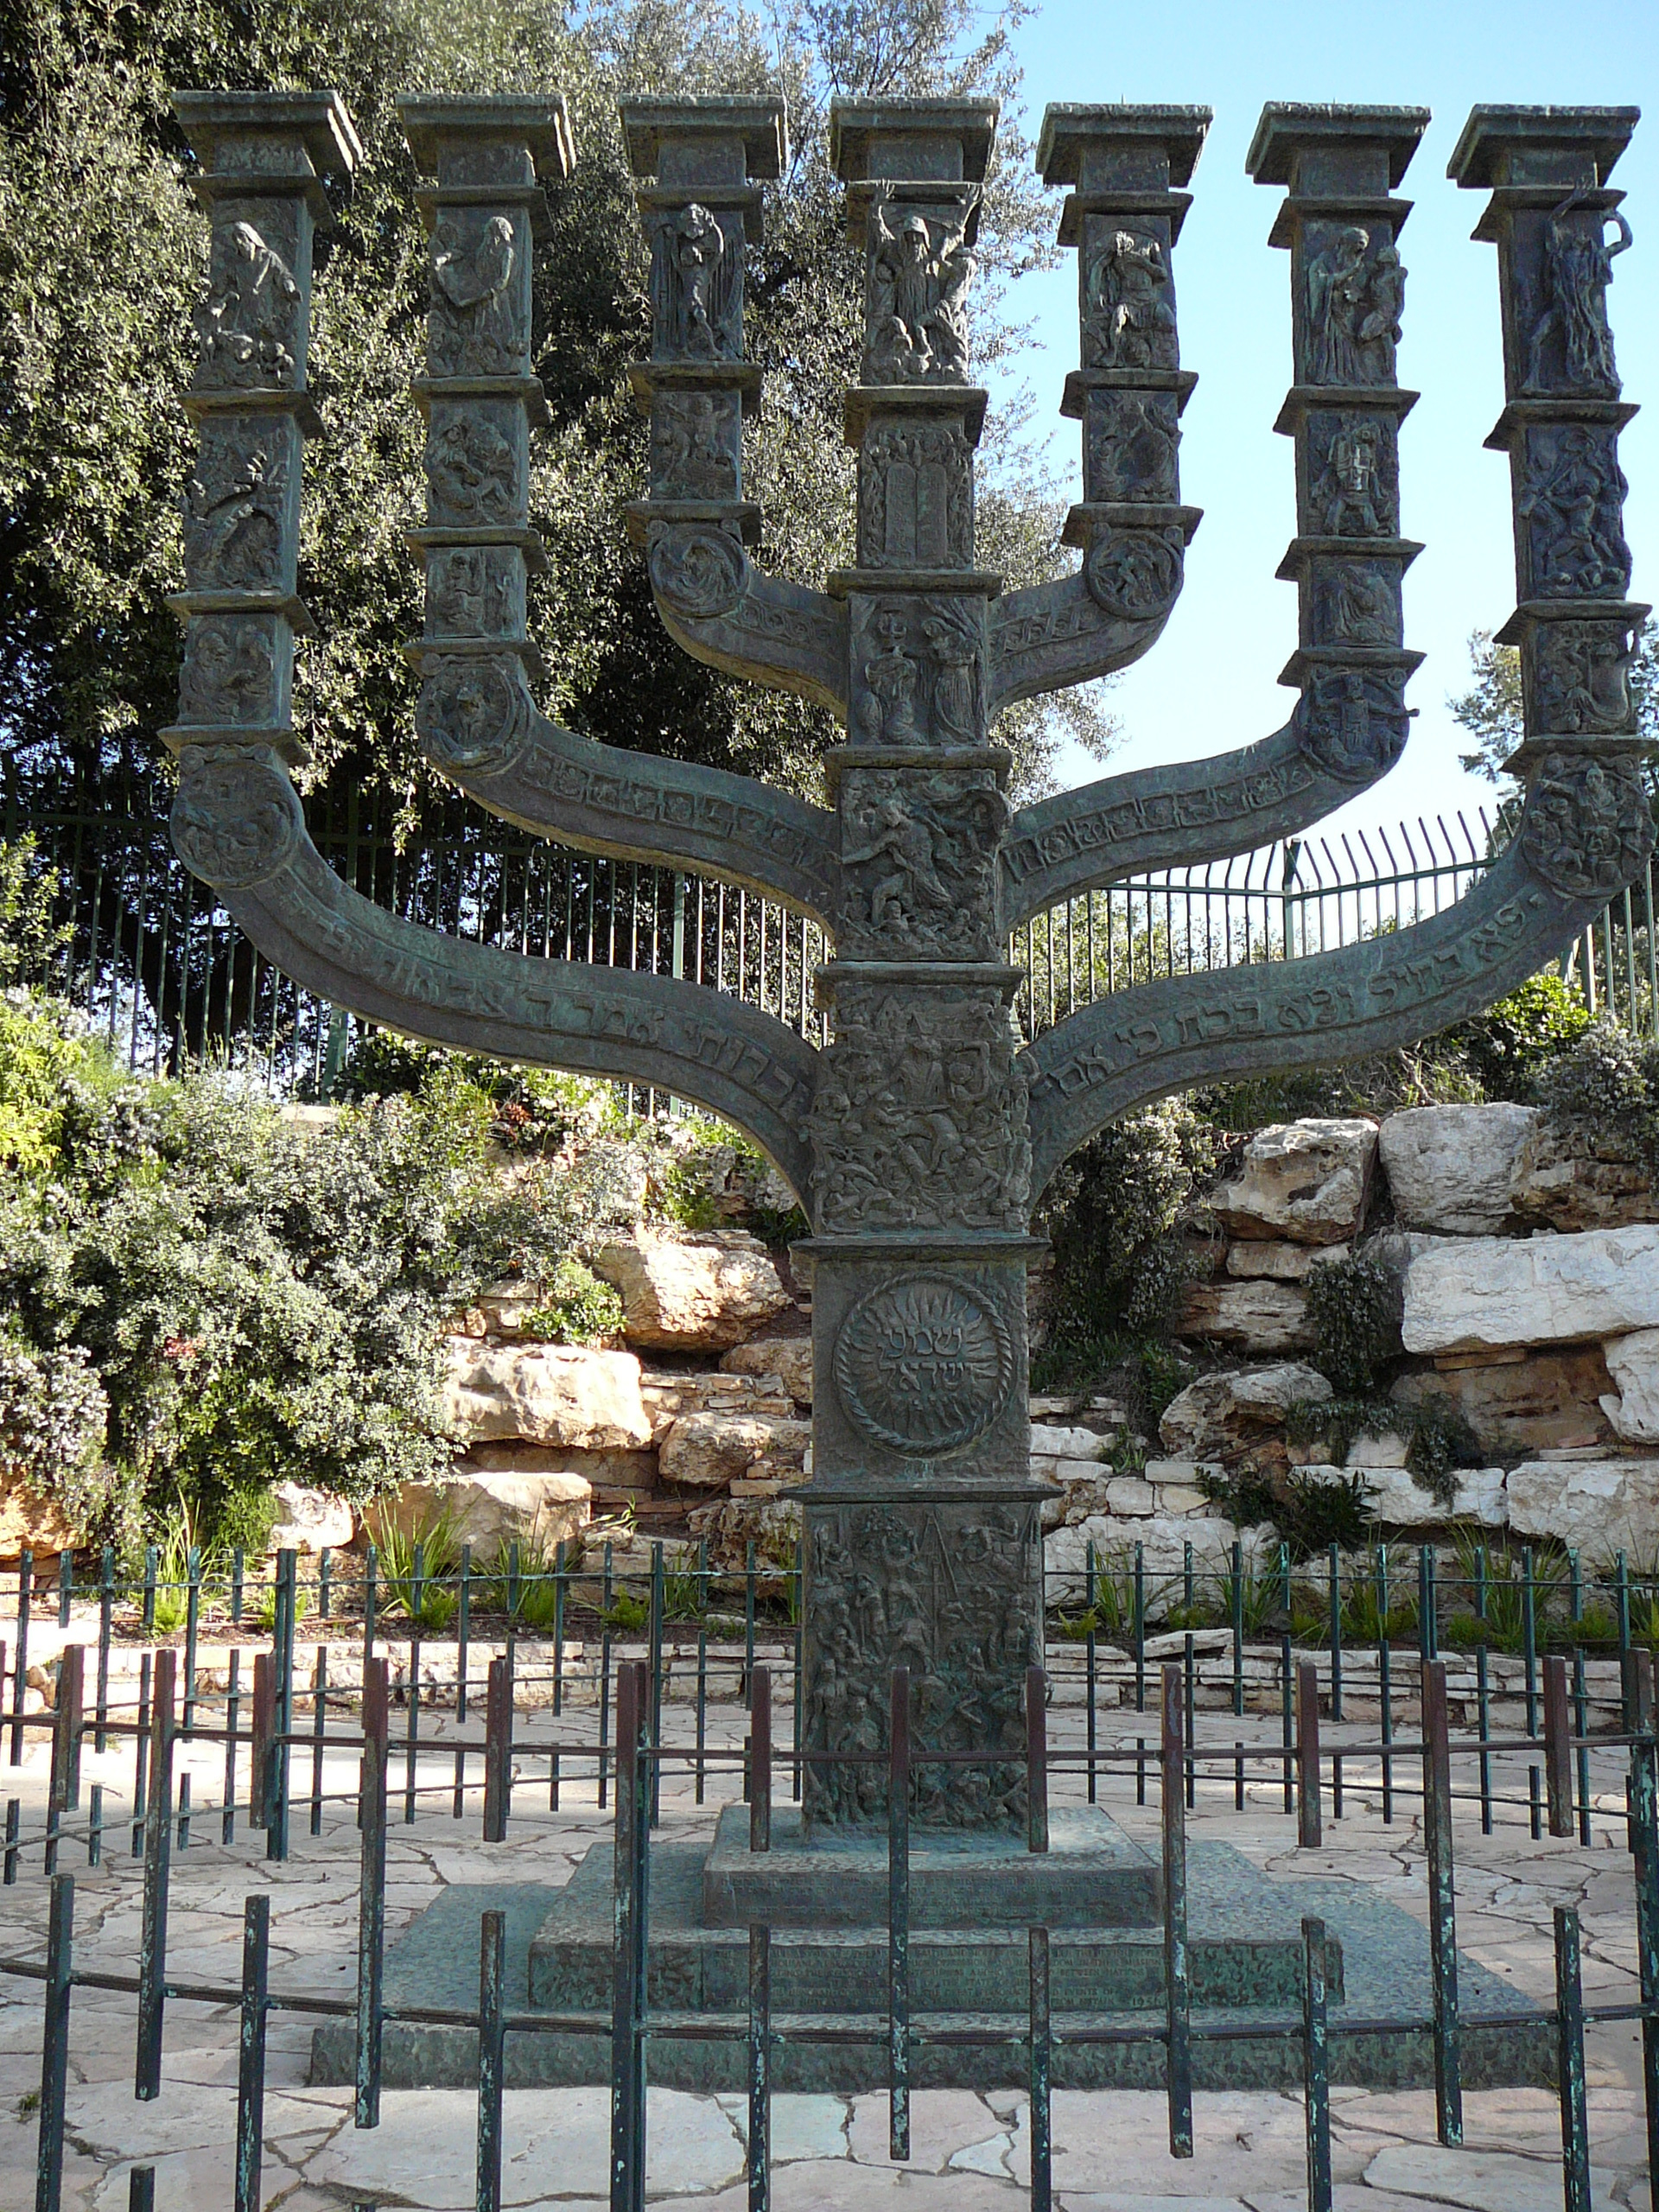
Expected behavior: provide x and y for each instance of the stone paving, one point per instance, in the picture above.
(969, 2151)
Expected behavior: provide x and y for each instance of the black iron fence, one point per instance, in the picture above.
(899, 2038)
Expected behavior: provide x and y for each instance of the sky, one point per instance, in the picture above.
(1210, 683)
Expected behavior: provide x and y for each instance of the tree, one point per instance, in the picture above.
(101, 261)
(1490, 710)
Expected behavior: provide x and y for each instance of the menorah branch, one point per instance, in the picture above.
(1143, 1044)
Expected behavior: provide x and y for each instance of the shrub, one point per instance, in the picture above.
(1310, 1515)
(580, 1308)
(1607, 1086)
(1515, 1042)
(1354, 1306)
(1438, 1439)
(1110, 1214)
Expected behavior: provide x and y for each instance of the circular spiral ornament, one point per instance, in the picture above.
(1588, 826)
(697, 570)
(1133, 575)
(474, 710)
(923, 1364)
(237, 819)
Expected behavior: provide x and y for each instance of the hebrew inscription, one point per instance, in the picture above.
(923, 1364)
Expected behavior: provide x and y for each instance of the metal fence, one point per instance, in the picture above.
(1429, 1764)
(162, 968)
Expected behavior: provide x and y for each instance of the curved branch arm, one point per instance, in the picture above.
(238, 822)
(603, 800)
(1168, 816)
(716, 603)
(1052, 635)
(1586, 831)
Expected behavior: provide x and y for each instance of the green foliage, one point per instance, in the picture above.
(102, 251)
(1515, 1042)
(1310, 1515)
(1607, 1087)
(1354, 1306)
(1439, 1439)
(1110, 1213)
(256, 1300)
(580, 1308)
(1158, 1376)
(53, 1413)
(29, 933)
(411, 1584)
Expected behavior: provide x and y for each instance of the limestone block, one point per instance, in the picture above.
(1305, 1181)
(1052, 1443)
(729, 1526)
(1389, 1450)
(490, 1507)
(1251, 1258)
(1521, 1402)
(1632, 1407)
(706, 1451)
(29, 1520)
(309, 1519)
(1492, 1291)
(788, 1358)
(1261, 1317)
(1179, 1497)
(1129, 1496)
(1449, 1168)
(698, 1294)
(1573, 1179)
(1600, 1506)
(1399, 1502)
(544, 1394)
(670, 1394)
(1217, 1415)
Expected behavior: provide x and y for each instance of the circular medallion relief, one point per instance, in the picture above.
(923, 1364)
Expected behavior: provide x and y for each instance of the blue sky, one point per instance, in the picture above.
(1210, 684)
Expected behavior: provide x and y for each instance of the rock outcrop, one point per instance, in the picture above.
(1304, 1181)
(703, 1292)
(1487, 1292)
(544, 1394)
(1450, 1168)
(487, 1508)
(1232, 1415)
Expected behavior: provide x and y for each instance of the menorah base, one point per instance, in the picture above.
(1244, 1948)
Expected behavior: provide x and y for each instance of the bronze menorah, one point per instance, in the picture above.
(920, 1137)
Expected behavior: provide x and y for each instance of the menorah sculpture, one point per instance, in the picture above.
(920, 1137)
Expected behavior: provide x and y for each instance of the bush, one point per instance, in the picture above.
(1438, 1439)
(1310, 1515)
(1110, 1214)
(1355, 1307)
(256, 1300)
(1515, 1042)
(580, 1309)
(1607, 1086)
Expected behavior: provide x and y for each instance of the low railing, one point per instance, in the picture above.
(900, 2033)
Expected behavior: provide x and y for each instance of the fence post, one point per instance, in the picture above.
(1177, 1996)
(899, 1918)
(55, 2044)
(251, 2055)
(1569, 2023)
(371, 1893)
(760, 1760)
(261, 1727)
(63, 1790)
(1309, 1831)
(1558, 1751)
(759, 2056)
(1645, 1845)
(1036, 1759)
(1041, 2062)
(158, 1835)
(1442, 1905)
(1316, 2067)
(628, 1964)
(498, 1751)
(492, 2052)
